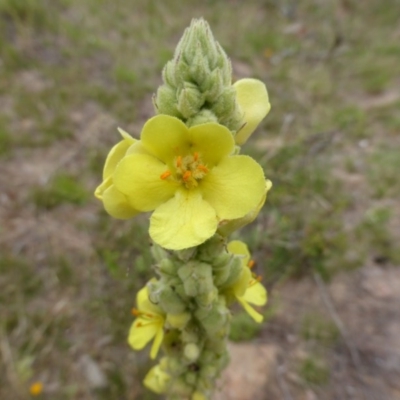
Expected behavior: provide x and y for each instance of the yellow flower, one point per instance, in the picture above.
(115, 203)
(247, 289)
(36, 388)
(225, 228)
(189, 177)
(149, 324)
(157, 380)
(252, 96)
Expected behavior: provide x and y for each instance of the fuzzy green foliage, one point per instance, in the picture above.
(62, 189)
(314, 371)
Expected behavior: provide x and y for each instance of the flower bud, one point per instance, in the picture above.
(196, 278)
(191, 352)
(178, 321)
(170, 301)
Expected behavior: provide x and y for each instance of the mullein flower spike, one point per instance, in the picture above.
(187, 170)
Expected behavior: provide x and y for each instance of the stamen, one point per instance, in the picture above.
(135, 312)
(202, 168)
(165, 175)
(254, 281)
(196, 156)
(179, 161)
(251, 264)
(186, 175)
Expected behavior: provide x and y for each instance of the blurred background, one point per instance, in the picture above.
(326, 242)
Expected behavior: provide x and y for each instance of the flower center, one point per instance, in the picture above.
(188, 170)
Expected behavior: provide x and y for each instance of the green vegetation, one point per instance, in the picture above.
(62, 189)
(314, 371)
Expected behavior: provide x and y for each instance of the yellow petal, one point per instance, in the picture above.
(212, 141)
(234, 187)
(251, 311)
(184, 221)
(141, 333)
(226, 227)
(117, 205)
(157, 380)
(240, 248)
(137, 148)
(252, 96)
(144, 304)
(103, 187)
(256, 294)
(115, 155)
(165, 137)
(138, 177)
(240, 286)
(157, 342)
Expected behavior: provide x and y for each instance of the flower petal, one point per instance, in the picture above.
(144, 304)
(250, 310)
(239, 248)
(212, 141)
(116, 154)
(103, 187)
(234, 187)
(157, 380)
(184, 221)
(138, 177)
(226, 227)
(157, 342)
(117, 205)
(252, 96)
(165, 137)
(256, 294)
(141, 333)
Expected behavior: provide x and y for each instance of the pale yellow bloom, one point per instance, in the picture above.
(115, 202)
(149, 324)
(157, 380)
(252, 96)
(247, 289)
(188, 176)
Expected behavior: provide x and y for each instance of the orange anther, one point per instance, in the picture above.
(202, 168)
(196, 156)
(186, 175)
(251, 264)
(179, 161)
(165, 175)
(135, 312)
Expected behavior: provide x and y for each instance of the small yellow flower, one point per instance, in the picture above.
(36, 388)
(157, 380)
(252, 96)
(247, 289)
(149, 324)
(115, 203)
(189, 177)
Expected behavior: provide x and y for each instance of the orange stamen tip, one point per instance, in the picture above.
(135, 312)
(187, 175)
(251, 264)
(179, 161)
(202, 168)
(165, 175)
(196, 156)
(36, 388)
